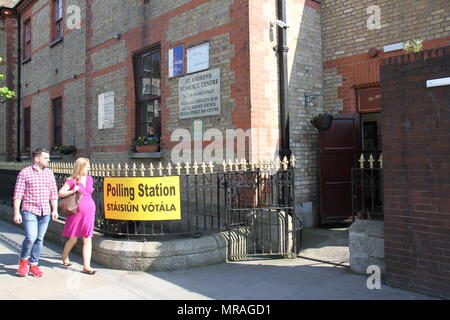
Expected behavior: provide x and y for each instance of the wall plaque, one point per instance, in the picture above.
(369, 99)
(106, 110)
(199, 94)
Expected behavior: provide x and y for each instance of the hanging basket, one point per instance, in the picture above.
(322, 121)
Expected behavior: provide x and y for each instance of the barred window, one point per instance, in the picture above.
(148, 92)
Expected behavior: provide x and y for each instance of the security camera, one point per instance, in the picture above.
(279, 23)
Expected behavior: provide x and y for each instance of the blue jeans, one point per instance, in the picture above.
(35, 228)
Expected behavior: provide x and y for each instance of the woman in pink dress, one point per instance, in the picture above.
(80, 224)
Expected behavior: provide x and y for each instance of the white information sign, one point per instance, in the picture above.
(198, 58)
(106, 110)
(197, 130)
(199, 94)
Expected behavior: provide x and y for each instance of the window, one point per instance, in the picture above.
(58, 27)
(148, 93)
(57, 122)
(27, 40)
(27, 127)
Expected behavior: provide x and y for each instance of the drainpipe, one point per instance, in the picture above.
(282, 50)
(19, 81)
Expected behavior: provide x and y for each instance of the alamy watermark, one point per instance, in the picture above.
(73, 20)
(374, 280)
(374, 20)
(232, 144)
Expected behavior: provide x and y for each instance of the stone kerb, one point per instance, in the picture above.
(366, 245)
(174, 254)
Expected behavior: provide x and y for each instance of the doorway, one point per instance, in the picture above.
(371, 135)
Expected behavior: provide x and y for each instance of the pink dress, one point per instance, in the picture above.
(81, 224)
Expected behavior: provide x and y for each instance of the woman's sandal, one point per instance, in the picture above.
(66, 264)
(92, 272)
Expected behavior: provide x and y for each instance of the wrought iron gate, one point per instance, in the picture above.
(260, 214)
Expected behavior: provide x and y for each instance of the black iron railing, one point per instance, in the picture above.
(367, 190)
(210, 201)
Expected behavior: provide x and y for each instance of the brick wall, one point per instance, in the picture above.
(347, 39)
(416, 133)
(305, 77)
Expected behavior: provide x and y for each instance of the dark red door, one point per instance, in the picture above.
(340, 149)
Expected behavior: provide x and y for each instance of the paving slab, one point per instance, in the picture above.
(263, 279)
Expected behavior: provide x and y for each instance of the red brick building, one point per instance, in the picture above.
(97, 74)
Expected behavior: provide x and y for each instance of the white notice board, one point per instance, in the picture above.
(198, 58)
(106, 110)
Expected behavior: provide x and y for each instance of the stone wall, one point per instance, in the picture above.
(366, 245)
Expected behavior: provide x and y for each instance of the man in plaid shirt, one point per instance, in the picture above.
(35, 189)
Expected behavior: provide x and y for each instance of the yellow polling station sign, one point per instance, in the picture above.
(144, 199)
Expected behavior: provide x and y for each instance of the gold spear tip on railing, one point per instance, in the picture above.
(230, 163)
(243, 164)
(371, 161)
(178, 168)
(169, 169)
(285, 163)
(195, 167)
(361, 161)
(160, 169)
(204, 166)
(151, 170)
(293, 160)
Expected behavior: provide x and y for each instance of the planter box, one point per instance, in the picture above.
(148, 148)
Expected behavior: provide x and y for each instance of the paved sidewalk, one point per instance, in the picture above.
(280, 279)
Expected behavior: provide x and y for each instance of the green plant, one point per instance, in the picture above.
(145, 141)
(64, 149)
(4, 91)
(414, 45)
(25, 150)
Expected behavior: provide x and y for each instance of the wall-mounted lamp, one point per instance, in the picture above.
(309, 98)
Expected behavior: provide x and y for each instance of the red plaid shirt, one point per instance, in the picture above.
(36, 188)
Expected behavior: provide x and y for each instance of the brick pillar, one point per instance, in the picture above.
(416, 152)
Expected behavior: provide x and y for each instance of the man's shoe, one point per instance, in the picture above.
(35, 271)
(23, 268)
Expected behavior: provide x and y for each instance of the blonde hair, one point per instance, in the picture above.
(80, 164)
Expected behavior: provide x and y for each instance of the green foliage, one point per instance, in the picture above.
(4, 91)
(414, 45)
(145, 141)
(64, 149)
